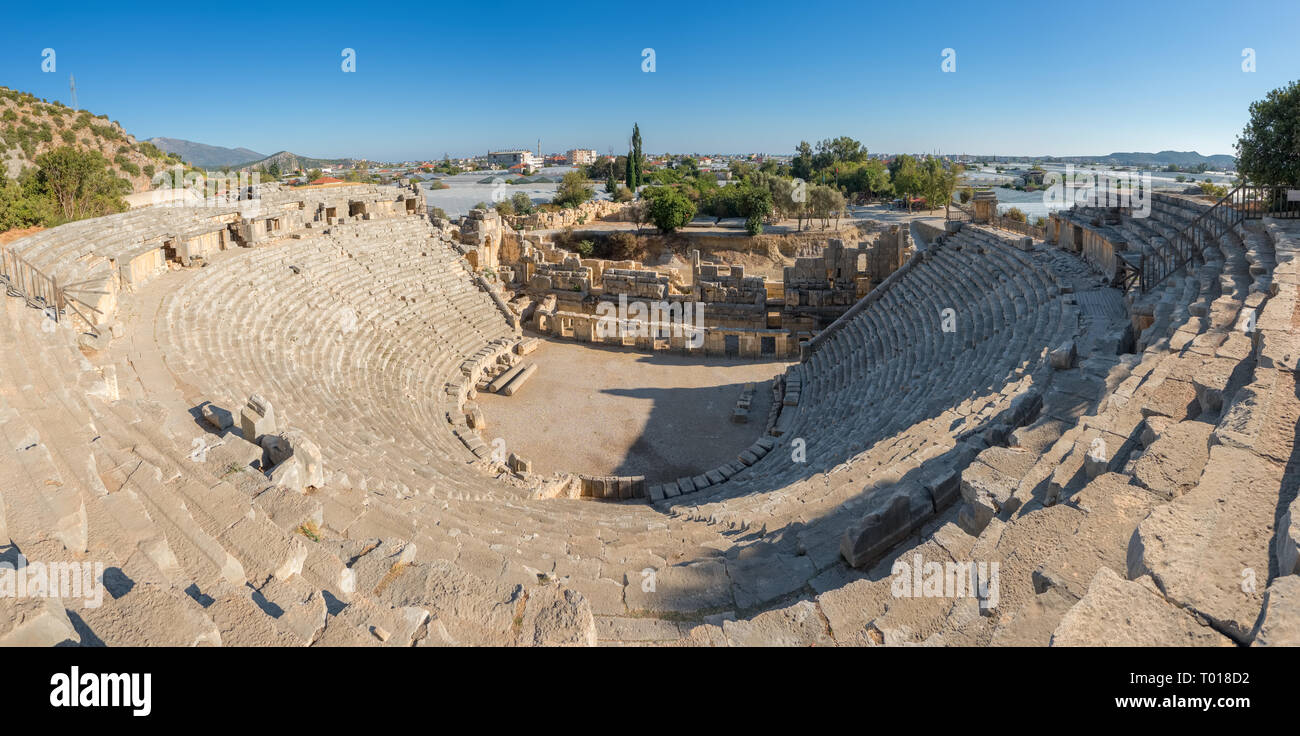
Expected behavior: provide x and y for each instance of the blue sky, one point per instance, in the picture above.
(463, 77)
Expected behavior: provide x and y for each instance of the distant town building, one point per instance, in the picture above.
(582, 156)
(507, 159)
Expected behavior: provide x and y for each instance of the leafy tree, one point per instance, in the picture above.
(839, 150)
(522, 203)
(665, 176)
(782, 192)
(640, 212)
(908, 179)
(939, 182)
(81, 182)
(755, 204)
(605, 167)
(825, 201)
(573, 190)
(723, 202)
(741, 169)
(785, 198)
(1268, 150)
(869, 177)
(25, 202)
(801, 164)
(669, 209)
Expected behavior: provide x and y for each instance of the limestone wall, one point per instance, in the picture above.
(1097, 244)
(583, 214)
(482, 231)
(722, 341)
(634, 283)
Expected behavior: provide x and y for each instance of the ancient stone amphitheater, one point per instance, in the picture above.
(256, 420)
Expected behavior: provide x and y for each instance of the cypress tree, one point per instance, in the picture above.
(636, 158)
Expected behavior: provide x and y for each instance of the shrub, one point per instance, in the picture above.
(621, 246)
(573, 190)
(1015, 213)
(669, 209)
(125, 164)
(565, 238)
(1210, 189)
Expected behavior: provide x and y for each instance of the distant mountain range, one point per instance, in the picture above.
(1153, 160)
(204, 156)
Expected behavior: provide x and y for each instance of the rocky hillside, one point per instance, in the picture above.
(30, 126)
(287, 161)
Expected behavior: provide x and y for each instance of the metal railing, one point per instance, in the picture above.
(39, 291)
(1017, 226)
(1186, 246)
(962, 213)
